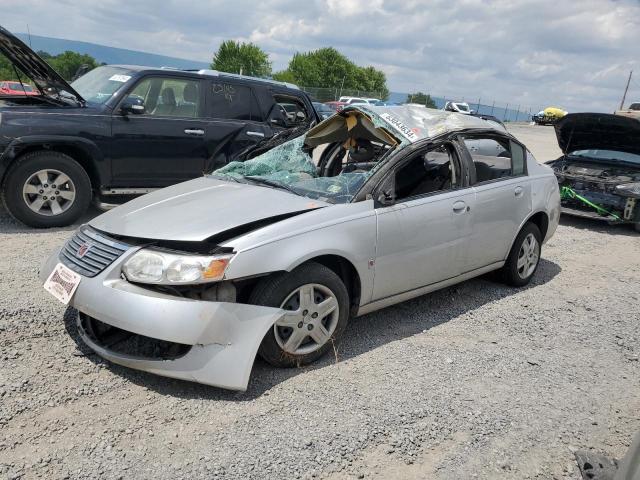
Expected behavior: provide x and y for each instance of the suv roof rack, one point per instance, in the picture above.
(216, 73)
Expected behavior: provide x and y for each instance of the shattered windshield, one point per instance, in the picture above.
(290, 166)
(98, 85)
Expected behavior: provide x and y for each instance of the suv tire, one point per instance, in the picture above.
(32, 197)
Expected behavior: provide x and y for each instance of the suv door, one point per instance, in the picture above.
(238, 120)
(166, 143)
(423, 234)
(503, 197)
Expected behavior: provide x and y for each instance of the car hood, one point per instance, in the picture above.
(196, 210)
(39, 71)
(598, 131)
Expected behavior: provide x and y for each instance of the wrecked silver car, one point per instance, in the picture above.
(599, 173)
(273, 255)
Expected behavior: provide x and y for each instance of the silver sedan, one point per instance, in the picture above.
(272, 256)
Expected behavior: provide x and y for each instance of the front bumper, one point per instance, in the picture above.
(224, 337)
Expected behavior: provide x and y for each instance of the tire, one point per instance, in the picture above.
(637, 226)
(515, 271)
(283, 291)
(24, 190)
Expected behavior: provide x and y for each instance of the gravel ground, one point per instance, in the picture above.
(474, 381)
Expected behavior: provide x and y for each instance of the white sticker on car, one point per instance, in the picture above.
(119, 78)
(62, 283)
(405, 131)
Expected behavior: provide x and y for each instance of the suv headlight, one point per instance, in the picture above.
(149, 265)
(629, 189)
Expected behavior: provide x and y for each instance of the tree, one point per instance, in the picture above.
(68, 63)
(237, 57)
(422, 98)
(328, 68)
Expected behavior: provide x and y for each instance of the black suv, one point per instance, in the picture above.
(120, 131)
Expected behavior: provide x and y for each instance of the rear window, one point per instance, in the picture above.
(233, 102)
(634, 106)
(17, 86)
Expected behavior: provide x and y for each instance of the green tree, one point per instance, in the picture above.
(68, 63)
(236, 57)
(328, 68)
(422, 98)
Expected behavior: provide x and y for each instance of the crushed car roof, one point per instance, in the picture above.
(414, 123)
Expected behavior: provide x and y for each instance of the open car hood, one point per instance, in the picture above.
(48, 81)
(598, 131)
(196, 210)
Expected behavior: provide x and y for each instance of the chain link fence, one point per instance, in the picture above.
(505, 111)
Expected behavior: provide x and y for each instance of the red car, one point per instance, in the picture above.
(337, 106)
(15, 88)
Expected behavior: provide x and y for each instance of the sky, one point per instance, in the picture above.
(575, 54)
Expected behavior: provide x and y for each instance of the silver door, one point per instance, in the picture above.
(501, 207)
(421, 241)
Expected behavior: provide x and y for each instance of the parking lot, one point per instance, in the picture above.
(474, 381)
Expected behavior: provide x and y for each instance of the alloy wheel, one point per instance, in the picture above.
(49, 192)
(528, 256)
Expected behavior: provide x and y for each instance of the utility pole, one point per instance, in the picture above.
(29, 34)
(624, 95)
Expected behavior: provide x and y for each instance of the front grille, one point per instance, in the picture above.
(89, 252)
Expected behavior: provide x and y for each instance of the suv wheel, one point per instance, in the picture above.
(46, 189)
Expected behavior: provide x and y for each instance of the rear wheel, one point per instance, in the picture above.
(524, 257)
(317, 305)
(46, 189)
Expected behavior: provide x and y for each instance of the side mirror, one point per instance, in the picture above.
(386, 197)
(134, 105)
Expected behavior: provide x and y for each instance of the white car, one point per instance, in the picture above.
(459, 107)
(358, 100)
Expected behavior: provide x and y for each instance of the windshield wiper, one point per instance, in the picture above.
(271, 183)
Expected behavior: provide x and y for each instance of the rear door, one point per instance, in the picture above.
(503, 197)
(166, 144)
(238, 122)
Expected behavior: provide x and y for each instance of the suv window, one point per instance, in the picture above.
(435, 170)
(169, 97)
(289, 111)
(495, 158)
(233, 102)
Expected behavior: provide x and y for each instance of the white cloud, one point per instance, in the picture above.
(574, 53)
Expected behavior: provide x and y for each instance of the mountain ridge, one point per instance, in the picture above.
(106, 54)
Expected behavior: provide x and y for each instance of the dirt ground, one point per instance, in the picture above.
(474, 381)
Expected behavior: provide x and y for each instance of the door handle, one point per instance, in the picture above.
(460, 207)
(256, 134)
(518, 191)
(194, 131)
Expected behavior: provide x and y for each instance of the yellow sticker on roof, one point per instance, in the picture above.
(405, 131)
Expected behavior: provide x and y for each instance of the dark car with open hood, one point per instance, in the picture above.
(121, 131)
(599, 173)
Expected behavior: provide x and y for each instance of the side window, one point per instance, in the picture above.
(491, 157)
(169, 97)
(232, 101)
(436, 170)
(289, 111)
(517, 159)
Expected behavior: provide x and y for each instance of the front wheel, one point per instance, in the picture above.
(46, 189)
(524, 257)
(317, 305)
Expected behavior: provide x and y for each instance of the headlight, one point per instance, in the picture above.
(167, 268)
(629, 189)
